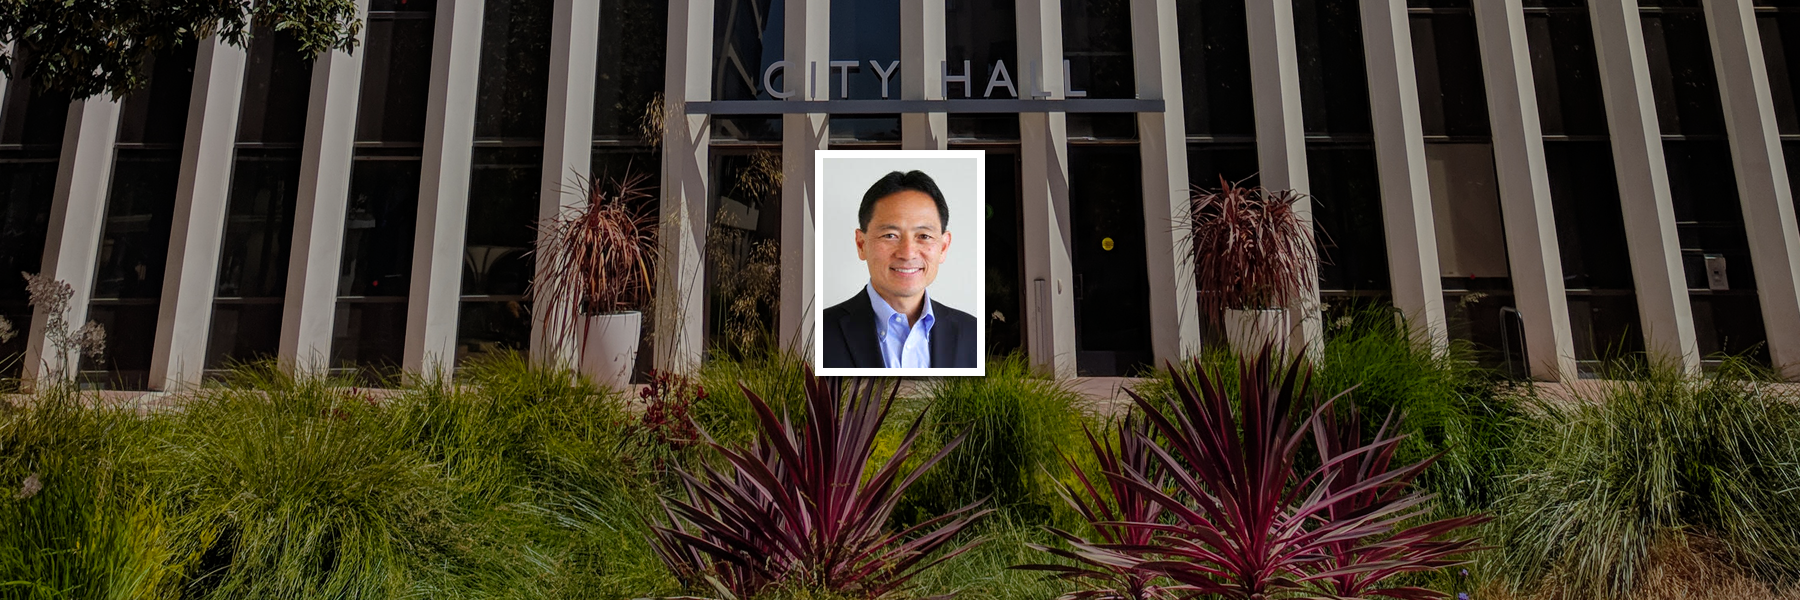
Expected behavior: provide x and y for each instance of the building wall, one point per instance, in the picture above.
(1554, 182)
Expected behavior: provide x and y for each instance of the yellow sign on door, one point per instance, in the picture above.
(1106, 244)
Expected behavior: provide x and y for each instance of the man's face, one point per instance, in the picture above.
(904, 244)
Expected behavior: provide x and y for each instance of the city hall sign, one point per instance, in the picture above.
(999, 80)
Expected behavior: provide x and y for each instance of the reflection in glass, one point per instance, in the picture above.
(497, 259)
(1112, 281)
(1215, 68)
(515, 65)
(396, 73)
(369, 329)
(1097, 44)
(134, 247)
(253, 261)
(747, 38)
(1007, 323)
(742, 247)
(632, 54)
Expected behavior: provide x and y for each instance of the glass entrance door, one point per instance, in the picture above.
(1112, 281)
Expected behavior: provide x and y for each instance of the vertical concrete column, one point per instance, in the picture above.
(435, 296)
(1524, 182)
(568, 147)
(807, 45)
(1156, 52)
(1637, 148)
(1400, 160)
(1281, 136)
(1044, 169)
(77, 212)
(319, 208)
(680, 297)
(184, 317)
(922, 52)
(1762, 176)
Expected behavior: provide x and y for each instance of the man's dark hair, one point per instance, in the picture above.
(896, 182)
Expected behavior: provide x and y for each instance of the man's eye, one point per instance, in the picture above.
(889, 236)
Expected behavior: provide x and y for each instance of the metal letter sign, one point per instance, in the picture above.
(999, 79)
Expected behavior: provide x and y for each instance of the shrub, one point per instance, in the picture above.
(1603, 480)
(726, 413)
(800, 508)
(1110, 505)
(1014, 421)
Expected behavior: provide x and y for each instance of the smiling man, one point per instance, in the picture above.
(893, 323)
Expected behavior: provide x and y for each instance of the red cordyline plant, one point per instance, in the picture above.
(1251, 248)
(1362, 565)
(1106, 574)
(596, 258)
(1246, 522)
(796, 509)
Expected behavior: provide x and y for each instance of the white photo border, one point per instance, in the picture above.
(980, 243)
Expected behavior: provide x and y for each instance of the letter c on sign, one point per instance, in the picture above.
(769, 77)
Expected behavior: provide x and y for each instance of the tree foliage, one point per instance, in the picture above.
(89, 47)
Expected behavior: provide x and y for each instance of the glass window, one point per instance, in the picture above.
(1681, 72)
(1564, 68)
(1112, 282)
(747, 38)
(1097, 44)
(743, 284)
(1334, 86)
(1209, 163)
(1007, 323)
(981, 32)
(633, 47)
(1447, 65)
(253, 261)
(28, 182)
(1347, 214)
(497, 259)
(277, 85)
(134, 248)
(30, 115)
(157, 114)
(1215, 68)
(369, 330)
(396, 74)
(515, 70)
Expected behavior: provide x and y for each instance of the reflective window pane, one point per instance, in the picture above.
(1447, 66)
(515, 70)
(747, 38)
(1565, 71)
(396, 73)
(1681, 73)
(157, 113)
(633, 52)
(27, 182)
(982, 33)
(259, 224)
(1097, 44)
(277, 85)
(1334, 86)
(379, 226)
(1347, 214)
(1215, 68)
(503, 208)
(30, 115)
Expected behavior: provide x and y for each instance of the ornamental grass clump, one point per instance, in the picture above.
(598, 257)
(1252, 249)
(1111, 507)
(1657, 459)
(800, 508)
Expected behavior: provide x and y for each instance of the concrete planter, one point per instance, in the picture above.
(1248, 330)
(609, 346)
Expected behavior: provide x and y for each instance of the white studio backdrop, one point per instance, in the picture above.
(843, 176)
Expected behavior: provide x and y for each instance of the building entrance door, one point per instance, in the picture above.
(1112, 281)
(1005, 318)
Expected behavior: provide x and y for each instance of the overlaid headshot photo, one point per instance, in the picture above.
(901, 258)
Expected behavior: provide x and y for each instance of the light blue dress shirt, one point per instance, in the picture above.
(902, 346)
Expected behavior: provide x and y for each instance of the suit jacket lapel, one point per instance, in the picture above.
(943, 340)
(858, 328)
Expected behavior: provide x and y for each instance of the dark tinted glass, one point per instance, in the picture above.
(1102, 126)
(633, 47)
(27, 183)
(1730, 324)
(492, 325)
(1347, 212)
(1208, 163)
(157, 113)
(244, 330)
(1097, 44)
(1437, 3)
(761, 129)
(864, 128)
(369, 336)
(1447, 65)
(741, 246)
(503, 208)
(981, 32)
(277, 85)
(139, 212)
(1001, 127)
(1590, 225)
(402, 6)
(1681, 73)
(1565, 71)
(515, 65)
(1006, 321)
(747, 38)
(130, 341)
(863, 31)
(396, 73)
(30, 115)
(259, 225)
(1707, 216)
(1334, 86)
(1780, 33)
(1215, 68)
(378, 227)
(1556, 3)
(1112, 284)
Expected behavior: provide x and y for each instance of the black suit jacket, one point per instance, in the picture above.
(850, 336)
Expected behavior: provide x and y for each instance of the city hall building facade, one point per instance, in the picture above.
(1556, 181)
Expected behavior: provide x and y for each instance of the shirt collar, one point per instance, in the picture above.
(885, 313)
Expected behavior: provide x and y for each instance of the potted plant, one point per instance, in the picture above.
(594, 276)
(1253, 258)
